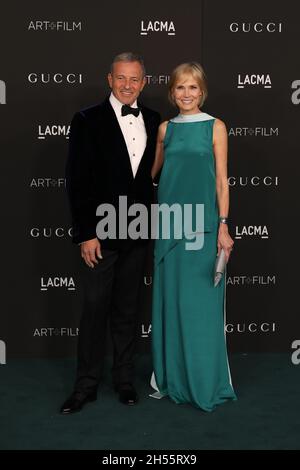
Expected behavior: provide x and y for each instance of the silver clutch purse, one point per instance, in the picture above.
(220, 267)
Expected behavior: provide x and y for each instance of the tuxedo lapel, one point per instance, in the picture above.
(146, 122)
(112, 138)
(149, 132)
(115, 133)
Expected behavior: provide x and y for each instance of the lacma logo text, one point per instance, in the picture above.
(251, 231)
(53, 130)
(157, 26)
(254, 80)
(57, 281)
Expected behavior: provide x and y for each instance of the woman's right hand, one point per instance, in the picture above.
(225, 241)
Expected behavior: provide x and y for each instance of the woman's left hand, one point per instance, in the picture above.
(224, 240)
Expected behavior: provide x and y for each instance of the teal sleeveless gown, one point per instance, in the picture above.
(188, 339)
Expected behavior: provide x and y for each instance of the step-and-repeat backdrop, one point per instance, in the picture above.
(54, 61)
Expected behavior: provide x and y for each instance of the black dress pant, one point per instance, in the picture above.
(110, 292)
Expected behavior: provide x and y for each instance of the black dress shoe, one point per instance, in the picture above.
(127, 394)
(77, 401)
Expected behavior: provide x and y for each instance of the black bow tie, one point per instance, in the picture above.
(126, 109)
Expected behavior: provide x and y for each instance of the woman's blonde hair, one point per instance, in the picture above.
(188, 68)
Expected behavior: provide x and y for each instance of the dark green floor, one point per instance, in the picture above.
(266, 415)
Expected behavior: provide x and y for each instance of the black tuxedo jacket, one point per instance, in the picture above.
(99, 170)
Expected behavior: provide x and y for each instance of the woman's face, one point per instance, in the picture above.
(187, 94)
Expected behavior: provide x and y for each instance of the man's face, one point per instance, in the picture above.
(126, 81)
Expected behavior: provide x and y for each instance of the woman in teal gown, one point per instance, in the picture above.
(188, 338)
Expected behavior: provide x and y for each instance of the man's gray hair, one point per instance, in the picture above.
(128, 57)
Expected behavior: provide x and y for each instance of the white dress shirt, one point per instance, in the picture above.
(133, 130)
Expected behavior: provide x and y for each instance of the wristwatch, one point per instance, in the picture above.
(223, 220)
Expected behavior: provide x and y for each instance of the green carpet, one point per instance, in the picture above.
(266, 415)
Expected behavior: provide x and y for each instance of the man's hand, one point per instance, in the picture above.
(90, 251)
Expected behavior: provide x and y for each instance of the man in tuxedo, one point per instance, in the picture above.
(112, 147)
